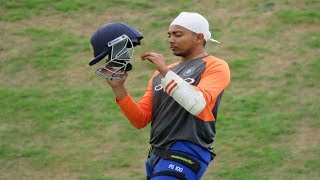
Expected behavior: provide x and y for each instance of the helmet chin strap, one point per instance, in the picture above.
(119, 60)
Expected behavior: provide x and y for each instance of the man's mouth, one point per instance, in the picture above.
(173, 48)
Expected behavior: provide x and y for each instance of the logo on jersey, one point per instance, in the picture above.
(160, 87)
(188, 71)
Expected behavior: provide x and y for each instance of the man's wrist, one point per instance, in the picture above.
(120, 92)
(164, 71)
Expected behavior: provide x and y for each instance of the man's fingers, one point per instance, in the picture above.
(144, 55)
(125, 75)
(147, 58)
(147, 55)
(150, 61)
(152, 57)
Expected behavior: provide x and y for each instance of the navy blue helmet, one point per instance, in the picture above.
(116, 40)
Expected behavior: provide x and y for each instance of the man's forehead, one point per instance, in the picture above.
(177, 28)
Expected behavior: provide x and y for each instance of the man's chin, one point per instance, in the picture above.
(177, 53)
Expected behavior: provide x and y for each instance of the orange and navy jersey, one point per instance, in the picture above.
(170, 122)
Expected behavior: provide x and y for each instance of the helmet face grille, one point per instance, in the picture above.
(119, 60)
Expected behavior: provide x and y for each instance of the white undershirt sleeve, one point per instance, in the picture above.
(183, 93)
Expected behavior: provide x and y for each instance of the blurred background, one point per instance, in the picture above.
(58, 120)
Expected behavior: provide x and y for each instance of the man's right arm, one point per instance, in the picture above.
(139, 114)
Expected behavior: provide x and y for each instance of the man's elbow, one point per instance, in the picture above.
(138, 124)
(199, 104)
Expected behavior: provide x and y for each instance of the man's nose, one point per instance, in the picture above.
(171, 40)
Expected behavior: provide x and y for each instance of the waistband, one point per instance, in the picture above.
(190, 149)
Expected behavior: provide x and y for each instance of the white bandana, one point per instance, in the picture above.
(195, 23)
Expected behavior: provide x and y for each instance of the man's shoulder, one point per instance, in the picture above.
(213, 60)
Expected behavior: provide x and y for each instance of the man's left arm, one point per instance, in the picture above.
(213, 81)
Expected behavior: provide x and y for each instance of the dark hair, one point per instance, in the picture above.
(204, 43)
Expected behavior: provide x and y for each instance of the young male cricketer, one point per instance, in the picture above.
(181, 102)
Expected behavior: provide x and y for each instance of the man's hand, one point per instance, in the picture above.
(117, 83)
(118, 87)
(157, 60)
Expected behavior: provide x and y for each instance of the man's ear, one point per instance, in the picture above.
(200, 38)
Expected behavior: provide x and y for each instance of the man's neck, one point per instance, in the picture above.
(193, 56)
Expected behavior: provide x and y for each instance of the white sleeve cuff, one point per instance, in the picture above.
(183, 93)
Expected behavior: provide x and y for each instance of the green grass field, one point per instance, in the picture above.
(58, 120)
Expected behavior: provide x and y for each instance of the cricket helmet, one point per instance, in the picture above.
(117, 40)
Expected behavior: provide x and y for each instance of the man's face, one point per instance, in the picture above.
(181, 40)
